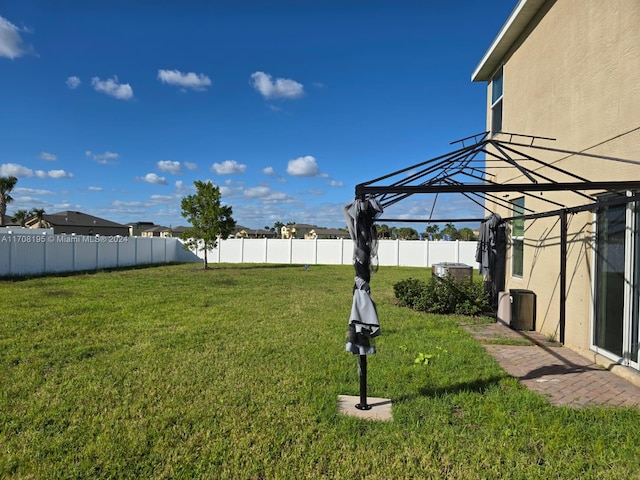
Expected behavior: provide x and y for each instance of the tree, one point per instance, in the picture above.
(38, 213)
(466, 234)
(450, 231)
(277, 228)
(407, 233)
(383, 231)
(20, 216)
(208, 218)
(6, 185)
(431, 232)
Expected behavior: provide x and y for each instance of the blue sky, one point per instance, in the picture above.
(114, 108)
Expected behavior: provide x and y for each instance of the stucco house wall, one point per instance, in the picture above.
(573, 74)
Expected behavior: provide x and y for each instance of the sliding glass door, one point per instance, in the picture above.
(617, 301)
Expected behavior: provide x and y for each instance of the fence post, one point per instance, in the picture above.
(11, 249)
(266, 249)
(315, 251)
(426, 253)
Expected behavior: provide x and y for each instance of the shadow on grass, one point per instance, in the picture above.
(478, 386)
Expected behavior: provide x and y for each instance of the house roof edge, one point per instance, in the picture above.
(520, 17)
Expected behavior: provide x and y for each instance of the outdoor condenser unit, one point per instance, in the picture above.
(523, 309)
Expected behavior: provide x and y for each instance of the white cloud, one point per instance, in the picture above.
(181, 188)
(169, 167)
(32, 191)
(257, 192)
(190, 166)
(281, 88)
(266, 195)
(162, 199)
(73, 82)
(59, 174)
(11, 43)
(48, 156)
(155, 179)
(194, 81)
(336, 183)
(120, 203)
(303, 167)
(16, 170)
(95, 189)
(225, 191)
(102, 158)
(272, 173)
(111, 86)
(228, 167)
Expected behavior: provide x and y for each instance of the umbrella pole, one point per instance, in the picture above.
(362, 373)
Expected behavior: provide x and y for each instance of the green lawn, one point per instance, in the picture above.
(234, 372)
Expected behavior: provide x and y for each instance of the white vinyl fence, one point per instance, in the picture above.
(33, 254)
(410, 253)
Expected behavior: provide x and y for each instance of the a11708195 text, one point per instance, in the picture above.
(30, 238)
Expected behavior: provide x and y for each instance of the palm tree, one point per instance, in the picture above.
(6, 185)
(20, 216)
(431, 232)
(39, 214)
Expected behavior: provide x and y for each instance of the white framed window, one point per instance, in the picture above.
(517, 239)
(496, 102)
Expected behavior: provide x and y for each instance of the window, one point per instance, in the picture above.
(496, 102)
(517, 239)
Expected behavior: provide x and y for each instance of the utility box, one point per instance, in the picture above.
(460, 272)
(523, 309)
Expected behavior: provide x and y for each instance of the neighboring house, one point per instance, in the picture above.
(70, 222)
(311, 232)
(8, 221)
(136, 228)
(157, 231)
(298, 230)
(330, 233)
(177, 231)
(570, 70)
(244, 232)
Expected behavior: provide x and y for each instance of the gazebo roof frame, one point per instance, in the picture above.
(462, 171)
(450, 172)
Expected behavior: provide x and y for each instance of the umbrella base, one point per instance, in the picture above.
(380, 408)
(360, 406)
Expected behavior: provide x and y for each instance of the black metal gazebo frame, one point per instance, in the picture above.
(464, 171)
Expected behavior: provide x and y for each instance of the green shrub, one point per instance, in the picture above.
(409, 291)
(442, 295)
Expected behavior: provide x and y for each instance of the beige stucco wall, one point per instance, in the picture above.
(574, 75)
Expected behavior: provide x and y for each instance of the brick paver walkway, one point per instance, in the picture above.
(557, 372)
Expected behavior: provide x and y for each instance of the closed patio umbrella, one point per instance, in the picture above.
(490, 254)
(363, 320)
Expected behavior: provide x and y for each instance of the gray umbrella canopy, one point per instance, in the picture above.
(490, 254)
(363, 320)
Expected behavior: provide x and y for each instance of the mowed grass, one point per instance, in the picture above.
(234, 372)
